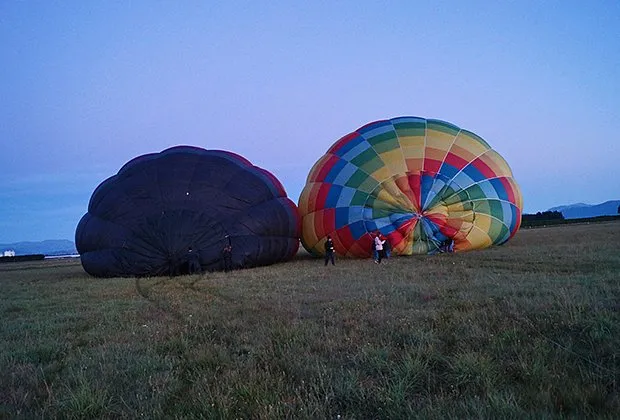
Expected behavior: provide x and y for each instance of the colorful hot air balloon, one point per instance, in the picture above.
(421, 183)
(143, 220)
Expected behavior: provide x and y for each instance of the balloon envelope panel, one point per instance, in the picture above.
(422, 183)
(143, 220)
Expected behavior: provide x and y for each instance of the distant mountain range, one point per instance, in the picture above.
(49, 247)
(581, 210)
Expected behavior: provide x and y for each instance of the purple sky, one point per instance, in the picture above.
(86, 86)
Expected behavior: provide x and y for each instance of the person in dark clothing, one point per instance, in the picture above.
(387, 248)
(447, 245)
(329, 250)
(373, 248)
(193, 261)
(227, 257)
(174, 266)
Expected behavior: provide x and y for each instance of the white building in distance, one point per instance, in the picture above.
(8, 253)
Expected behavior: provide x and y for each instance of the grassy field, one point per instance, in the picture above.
(527, 330)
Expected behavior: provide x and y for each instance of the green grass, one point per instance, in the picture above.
(527, 330)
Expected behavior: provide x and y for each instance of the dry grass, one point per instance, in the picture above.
(530, 329)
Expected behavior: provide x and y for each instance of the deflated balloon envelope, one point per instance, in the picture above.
(422, 183)
(143, 220)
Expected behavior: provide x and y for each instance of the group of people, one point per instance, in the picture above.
(192, 260)
(447, 245)
(381, 248)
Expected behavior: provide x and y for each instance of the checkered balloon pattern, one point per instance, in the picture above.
(419, 182)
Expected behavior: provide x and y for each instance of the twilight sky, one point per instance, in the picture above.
(86, 86)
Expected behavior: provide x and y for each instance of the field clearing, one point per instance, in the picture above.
(530, 329)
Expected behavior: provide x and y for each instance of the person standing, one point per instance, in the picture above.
(227, 255)
(387, 248)
(379, 247)
(329, 250)
(373, 247)
(447, 245)
(193, 261)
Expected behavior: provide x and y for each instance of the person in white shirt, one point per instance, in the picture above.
(379, 247)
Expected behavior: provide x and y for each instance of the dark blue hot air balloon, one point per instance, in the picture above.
(144, 220)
